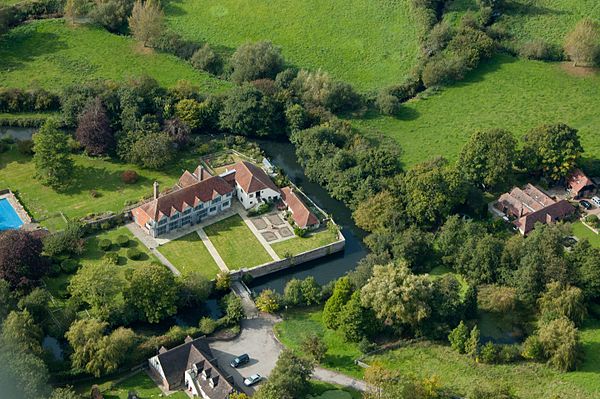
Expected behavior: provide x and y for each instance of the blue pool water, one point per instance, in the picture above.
(8, 216)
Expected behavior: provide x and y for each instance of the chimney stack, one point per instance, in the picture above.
(155, 190)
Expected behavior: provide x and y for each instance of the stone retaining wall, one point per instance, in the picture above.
(275, 266)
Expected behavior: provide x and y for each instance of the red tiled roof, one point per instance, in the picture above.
(521, 202)
(577, 181)
(252, 178)
(187, 178)
(300, 212)
(185, 197)
(552, 213)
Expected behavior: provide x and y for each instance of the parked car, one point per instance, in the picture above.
(238, 361)
(596, 200)
(585, 204)
(253, 379)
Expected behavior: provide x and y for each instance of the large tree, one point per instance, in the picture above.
(99, 287)
(96, 352)
(397, 296)
(112, 14)
(147, 21)
(560, 340)
(20, 331)
(153, 151)
(341, 294)
(22, 374)
(93, 129)
(21, 260)
(153, 292)
(253, 61)
(52, 158)
(552, 150)
(562, 301)
(487, 158)
(582, 45)
(289, 379)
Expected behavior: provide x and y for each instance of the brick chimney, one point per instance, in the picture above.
(155, 190)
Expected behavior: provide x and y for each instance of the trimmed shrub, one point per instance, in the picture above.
(366, 346)
(25, 147)
(129, 177)
(539, 49)
(207, 60)
(387, 104)
(440, 70)
(509, 353)
(593, 220)
(134, 254)
(69, 266)
(105, 244)
(207, 325)
(253, 61)
(123, 240)
(268, 301)
(489, 353)
(111, 258)
(300, 232)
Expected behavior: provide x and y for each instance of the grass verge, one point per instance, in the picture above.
(189, 254)
(297, 245)
(583, 232)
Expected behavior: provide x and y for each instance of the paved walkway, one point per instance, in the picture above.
(240, 290)
(259, 236)
(212, 250)
(334, 377)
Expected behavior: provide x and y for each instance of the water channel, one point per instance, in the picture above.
(324, 270)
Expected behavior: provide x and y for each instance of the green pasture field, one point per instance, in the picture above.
(53, 54)
(368, 43)
(528, 380)
(236, 243)
(505, 92)
(189, 254)
(17, 172)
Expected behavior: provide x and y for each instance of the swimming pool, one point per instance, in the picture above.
(8, 216)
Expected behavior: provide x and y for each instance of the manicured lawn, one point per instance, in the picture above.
(53, 54)
(297, 245)
(581, 231)
(439, 271)
(368, 43)
(297, 324)
(17, 172)
(236, 243)
(93, 254)
(143, 385)
(504, 93)
(189, 254)
(529, 380)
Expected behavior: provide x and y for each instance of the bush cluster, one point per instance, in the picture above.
(129, 177)
(18, 100)
(134, 254)
(105, 244)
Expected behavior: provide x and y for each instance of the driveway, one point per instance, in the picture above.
(257, 340)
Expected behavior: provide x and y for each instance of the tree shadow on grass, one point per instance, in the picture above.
(527, 8)
(20, 47)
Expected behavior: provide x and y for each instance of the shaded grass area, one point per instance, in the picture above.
(324, 390)
(582, 232)
(505, 92)
(139, 383)
(369, 43)
(17, 172)
(528, 380)
(52, 54)
(297, 245)
(297, 324)
(189, 254)
(236, 243)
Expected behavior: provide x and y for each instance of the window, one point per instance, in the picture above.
(162, 222)
(216, 200)
(214, 208)
(203, 212)
(175, 216)
(251, 195)
(187, 211)
(199, 206)
(173, 225)
(226, 204)
(186, 220)
(162, 230)
(228, 195)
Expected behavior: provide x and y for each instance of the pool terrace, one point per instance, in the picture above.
(12, 213)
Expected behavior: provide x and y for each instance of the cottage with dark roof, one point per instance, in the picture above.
(530, 205)
(191, 366)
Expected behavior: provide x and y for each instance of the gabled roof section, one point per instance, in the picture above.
(577, 181)
(187, 178)
(252, 178)
(300, 212)
(181, 198)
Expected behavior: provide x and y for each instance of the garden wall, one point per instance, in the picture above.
(275, 266)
